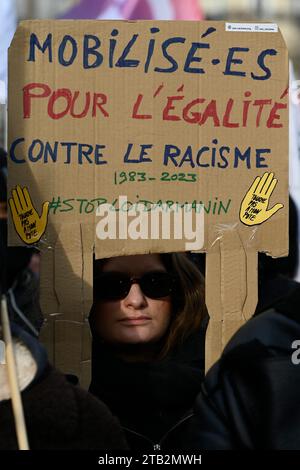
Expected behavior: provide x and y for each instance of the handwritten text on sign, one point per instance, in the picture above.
(178, 54)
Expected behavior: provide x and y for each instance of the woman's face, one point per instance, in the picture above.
(137, 318)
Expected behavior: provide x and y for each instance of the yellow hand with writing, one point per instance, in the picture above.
(254, 208)
(28, 224)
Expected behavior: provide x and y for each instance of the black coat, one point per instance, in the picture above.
(250, 398)
(152, 400)
(58, 414)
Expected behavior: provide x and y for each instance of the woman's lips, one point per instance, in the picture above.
(135, 320)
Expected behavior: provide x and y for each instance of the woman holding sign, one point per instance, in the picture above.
(148, 331)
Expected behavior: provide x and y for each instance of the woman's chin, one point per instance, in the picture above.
(134, 340)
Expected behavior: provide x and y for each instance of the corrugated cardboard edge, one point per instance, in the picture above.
(66, 299)
(231, 290)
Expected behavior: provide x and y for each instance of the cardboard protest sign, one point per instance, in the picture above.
(110, 121)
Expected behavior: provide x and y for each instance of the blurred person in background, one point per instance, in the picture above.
(58, 414)
(19, 270)
(250, 399)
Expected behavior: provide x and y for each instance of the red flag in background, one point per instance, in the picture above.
(136, 10)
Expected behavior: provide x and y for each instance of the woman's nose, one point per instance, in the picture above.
(135, 296)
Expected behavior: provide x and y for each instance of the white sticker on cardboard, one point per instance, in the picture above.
(252, 27)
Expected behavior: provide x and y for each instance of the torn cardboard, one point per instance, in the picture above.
(162, 113)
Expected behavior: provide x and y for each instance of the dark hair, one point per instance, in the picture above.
(188, 302)
(189, 306)
(270, 268)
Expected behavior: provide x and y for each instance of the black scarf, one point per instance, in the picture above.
(149, 397)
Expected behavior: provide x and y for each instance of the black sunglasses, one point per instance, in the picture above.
(116, 285)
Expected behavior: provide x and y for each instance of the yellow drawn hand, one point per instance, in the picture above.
(28, 224)
(254, 208)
